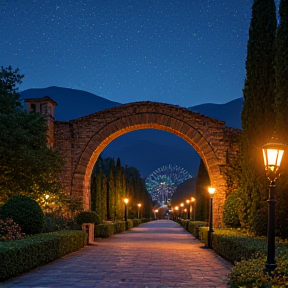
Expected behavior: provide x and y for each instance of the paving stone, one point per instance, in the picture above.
(158, 254)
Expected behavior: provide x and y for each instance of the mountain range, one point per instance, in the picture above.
(146, 149)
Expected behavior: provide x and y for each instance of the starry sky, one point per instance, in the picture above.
(183, 52)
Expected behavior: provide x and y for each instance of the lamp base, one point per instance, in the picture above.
(269, 268)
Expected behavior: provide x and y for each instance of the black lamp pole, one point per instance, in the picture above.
(125, 212)
(193, 207)
(211, 191)
(271, 263)
(126, 200)
(210, 231)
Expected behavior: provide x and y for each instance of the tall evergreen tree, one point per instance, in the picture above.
(257, 115)
(98, 194)
(111, 199)
(104, 196)
(202, 196)
(110, 184)
(281, 73)
(119, 190)
(281, 110)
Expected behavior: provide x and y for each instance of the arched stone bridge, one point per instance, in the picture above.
(82, 140)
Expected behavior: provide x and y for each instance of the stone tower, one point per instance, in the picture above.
(45, 106)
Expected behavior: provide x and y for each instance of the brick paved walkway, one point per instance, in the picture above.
(153, 255)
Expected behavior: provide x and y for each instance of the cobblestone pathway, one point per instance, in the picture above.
(159, 254)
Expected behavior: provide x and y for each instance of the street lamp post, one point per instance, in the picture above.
(126, 200)
(46, 204)
(156, 211)
(139, 207)
(211, 191)
(181, 205)
(272, 154)
(188, 209)
(177, 213)
(185, 213)
(193, 207)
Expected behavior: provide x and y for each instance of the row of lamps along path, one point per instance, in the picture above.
(126, 200)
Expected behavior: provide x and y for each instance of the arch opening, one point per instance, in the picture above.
(90, 135)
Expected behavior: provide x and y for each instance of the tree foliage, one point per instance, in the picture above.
(27, 165)
(202, 196)
(258, 114)
(231, 210)
(281, 110)
(111, 183)
(265, 111)
(281, 73)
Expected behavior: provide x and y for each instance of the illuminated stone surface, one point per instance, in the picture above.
(82, 140)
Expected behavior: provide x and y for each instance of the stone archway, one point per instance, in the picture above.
(82, 140)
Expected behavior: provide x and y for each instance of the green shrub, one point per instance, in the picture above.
(260, 222)
(237, 247)
(250, 273)
(129, 224)
(184, 223)
(136, 222)
(193, 227)
(119, 227)
(24, 211)
(57, 222)
(231, 210)
(9, 230)
(104, 230)
(22, 255)
(88, 217)
(203, 234)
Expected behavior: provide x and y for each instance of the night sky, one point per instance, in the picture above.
(183, 52)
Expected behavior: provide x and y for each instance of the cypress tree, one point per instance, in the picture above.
(111, 183)
(119, 192)
(281, 110)
(257, 115)
(202, 196)
(281, 73)
(104, 196)
(93, 192)
(111, 199)
(98, 195)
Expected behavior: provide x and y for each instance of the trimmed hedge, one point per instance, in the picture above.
(194, 226)
(88, 217)
(184, 223)
(137, 222)
(236, 248)
(119, 227)
(249, 256)
(22, 255)
(111, 228)
(249, 273)
(104, 230)
(203, 234)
